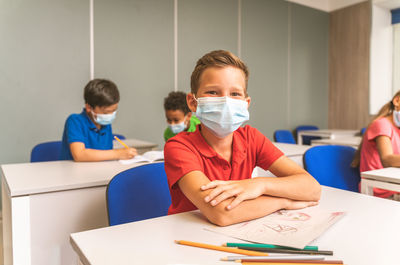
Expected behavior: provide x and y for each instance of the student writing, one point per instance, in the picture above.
(179, 117)
(380, 146)
(210, 169)
(88, 136)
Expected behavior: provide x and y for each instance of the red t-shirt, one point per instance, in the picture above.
(188, 152)
(370, 158)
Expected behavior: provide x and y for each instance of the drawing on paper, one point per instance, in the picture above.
(292, 228)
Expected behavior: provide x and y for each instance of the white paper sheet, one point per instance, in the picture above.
(292, 228)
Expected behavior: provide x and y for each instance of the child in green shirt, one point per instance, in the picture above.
(179, 117)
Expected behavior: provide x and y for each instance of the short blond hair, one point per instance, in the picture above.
(218, 58)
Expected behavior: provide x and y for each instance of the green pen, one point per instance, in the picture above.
(267, 246)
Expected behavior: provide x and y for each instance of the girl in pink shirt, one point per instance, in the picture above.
(380, 146)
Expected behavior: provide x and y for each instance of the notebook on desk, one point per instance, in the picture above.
(150, 156)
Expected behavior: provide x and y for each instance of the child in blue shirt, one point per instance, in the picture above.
(88, 136)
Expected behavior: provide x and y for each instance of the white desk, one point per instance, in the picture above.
(327, 133)
(367, 235)
(44, 202)
(293, 151)
(385, 178)
(353, 141)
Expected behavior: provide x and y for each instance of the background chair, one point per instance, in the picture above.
(47, 151)
(307, 139)
(330, 166)
(138, 193)
(120, 136)
(362, 131)
(284, 136)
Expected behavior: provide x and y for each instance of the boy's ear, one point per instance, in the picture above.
(88, 108)
(191, 102)
(248, 99)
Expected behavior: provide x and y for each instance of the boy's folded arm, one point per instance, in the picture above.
(191, 184)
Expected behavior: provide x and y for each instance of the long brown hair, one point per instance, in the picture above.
(385, 111)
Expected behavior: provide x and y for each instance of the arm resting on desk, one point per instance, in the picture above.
(262, 205)
(82, 154)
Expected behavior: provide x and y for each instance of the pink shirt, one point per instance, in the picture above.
(370, 159)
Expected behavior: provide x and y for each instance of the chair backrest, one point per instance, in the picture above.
(47, 151)
(284, 136)
(138, 193)
(120, 136)
(362, 131)
(330, 166)
(307, 139)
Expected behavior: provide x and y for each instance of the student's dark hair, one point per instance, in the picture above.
(385, 111)
(219, 59)
(101, 93)
(176, 101)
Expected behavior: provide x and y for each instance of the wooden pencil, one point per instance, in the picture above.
(275, 256)
(219, 248)
(274, 263)
(291, 251)
(294, 261)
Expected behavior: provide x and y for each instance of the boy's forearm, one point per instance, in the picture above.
(296, 187)
(93, 155)
(245, 211)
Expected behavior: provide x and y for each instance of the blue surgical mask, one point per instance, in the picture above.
(177, 128)
(104, 119)
(396, 117)
(222, 115)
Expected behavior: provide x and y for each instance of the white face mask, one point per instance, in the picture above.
(104, 119)
(222, 115)
(177, 128)
(396, 117)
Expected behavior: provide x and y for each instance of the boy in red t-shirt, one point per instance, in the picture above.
(210, 169)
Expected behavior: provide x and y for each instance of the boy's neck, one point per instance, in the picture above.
(223, 146)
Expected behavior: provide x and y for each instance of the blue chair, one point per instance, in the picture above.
(284, 136)
(47, 151)
(363, 130)
(120, 136)
(138, 193)
(307, 139)
(330, 166)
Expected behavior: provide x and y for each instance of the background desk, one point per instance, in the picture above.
(293, 151)
(367, 235)
(327, 133)
(141, 146)
(352, 141)
(385, 178)
(44, 202)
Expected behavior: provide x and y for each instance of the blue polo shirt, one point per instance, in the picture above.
(80, 128)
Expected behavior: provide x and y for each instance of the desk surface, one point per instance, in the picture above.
(292, 149)
(367, 235)
(134, 143)
(330, 131)
(348, 141)
(389, 174)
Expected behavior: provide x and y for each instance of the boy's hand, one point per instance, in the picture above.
(125, 153)
(239, 189)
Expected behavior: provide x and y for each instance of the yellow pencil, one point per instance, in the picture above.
(226, 249)
(119, 140)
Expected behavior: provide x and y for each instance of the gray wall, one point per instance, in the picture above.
(44, 62)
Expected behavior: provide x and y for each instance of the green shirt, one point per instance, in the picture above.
(192, 127)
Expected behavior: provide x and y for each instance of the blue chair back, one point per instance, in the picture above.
(138, 193)
(120, 136)
(47, 151)
(307, 139)
(330, 166)
(362, 131)
(284, 136)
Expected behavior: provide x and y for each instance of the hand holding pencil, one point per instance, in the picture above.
(126, 152)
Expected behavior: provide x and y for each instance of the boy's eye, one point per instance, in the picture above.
(211, 92)
(236, 94)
